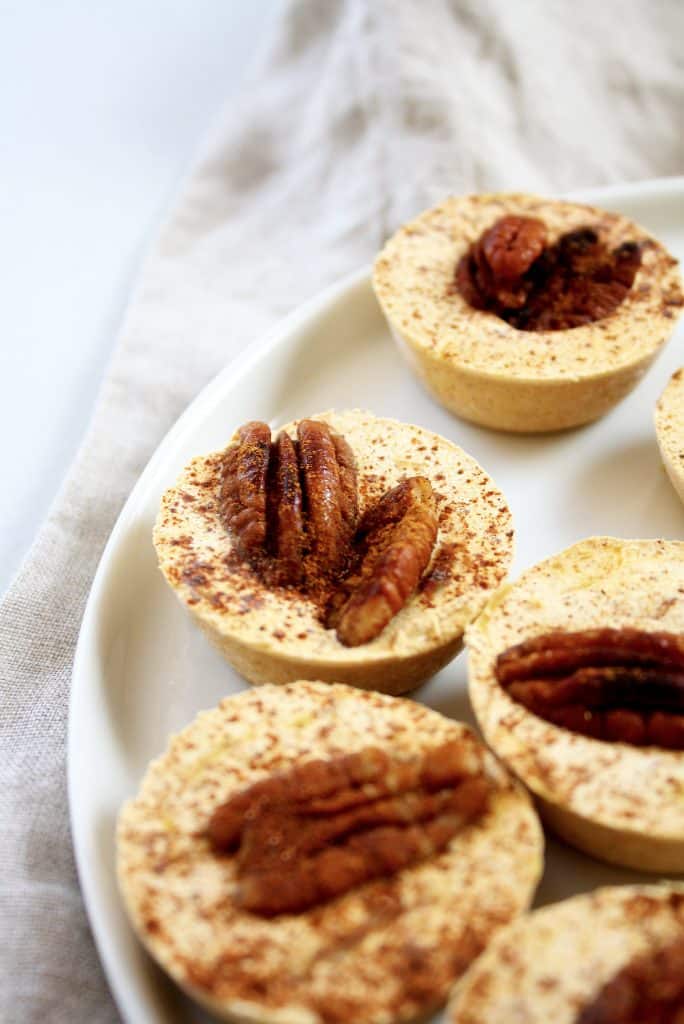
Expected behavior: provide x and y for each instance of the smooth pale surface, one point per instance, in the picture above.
(143, 670)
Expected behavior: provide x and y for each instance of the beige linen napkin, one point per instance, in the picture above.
(359, 114)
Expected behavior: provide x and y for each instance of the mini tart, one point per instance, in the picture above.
(621, 803)
(669, 424)
(487, 371)
(550, 965)
(274, 634)
(385, 951)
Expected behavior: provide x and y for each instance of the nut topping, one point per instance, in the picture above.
(331, 517)
(349, 502)
(623, 685)
(293, 507)
(263, 505)
(310, 834)
(285, 509)
(512, 245)
(398, 535)
(243, 494)
(509, 272)
(648, 990)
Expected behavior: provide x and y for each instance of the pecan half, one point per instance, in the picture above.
(511, 246)
(243, 491)
(398, 535)
(312, 833)
(293, 506)
(648, 990)
(285, 510)
(508, 271)
(624, 685)
(330, 517)
(283, 531)
(349, 501)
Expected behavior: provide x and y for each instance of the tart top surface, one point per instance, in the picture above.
(384, 950)
(552, 964)
(600, 582)
(415, 276)
(471, 555)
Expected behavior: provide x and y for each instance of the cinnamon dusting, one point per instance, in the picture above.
(308, 835)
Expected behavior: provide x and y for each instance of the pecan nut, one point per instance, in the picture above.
(285, 510)
(291, 505)
(511, 246)
(243, 491)
(349, 499)
(336, 824)
(510, 272)
(398, 535)
(648, 988)
(623, 685)
(328, 488)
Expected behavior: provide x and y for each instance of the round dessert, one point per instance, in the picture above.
(576, 675)
(669, 424)
(613, 956)
(320, 854)
(349, 549)
(527, 314)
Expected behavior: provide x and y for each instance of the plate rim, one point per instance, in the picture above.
(87, 646)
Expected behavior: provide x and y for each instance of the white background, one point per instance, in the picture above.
(102, 107)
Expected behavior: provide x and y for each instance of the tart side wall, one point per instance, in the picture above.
(394, 675)
(515, 404)
(669, 424)
(623, 847)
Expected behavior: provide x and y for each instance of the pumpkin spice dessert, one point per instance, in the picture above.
(346, 548)
(527, 314)
(669, 424)
(316, 853)
(576, 676)
(613, 956)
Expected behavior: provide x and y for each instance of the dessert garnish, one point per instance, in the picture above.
(312, 833)
(648, 990)
(511, 272)
(292, 506)
(394, 542)
(621, 685)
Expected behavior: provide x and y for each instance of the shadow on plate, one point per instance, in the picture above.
(569, 872)
(624, 492)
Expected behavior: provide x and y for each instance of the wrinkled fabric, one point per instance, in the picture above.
(358, 114)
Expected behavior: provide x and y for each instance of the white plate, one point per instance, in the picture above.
(143, 671)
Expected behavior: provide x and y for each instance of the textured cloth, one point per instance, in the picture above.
(359, 114)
